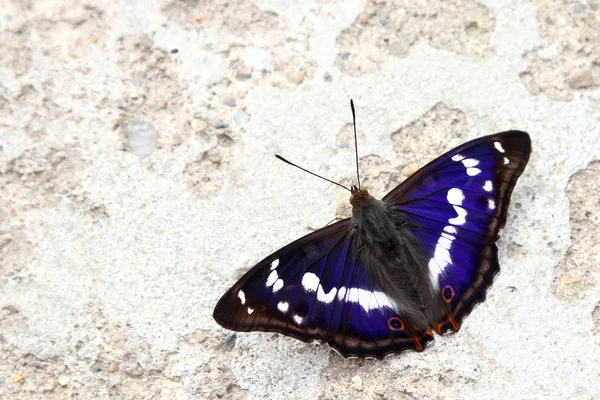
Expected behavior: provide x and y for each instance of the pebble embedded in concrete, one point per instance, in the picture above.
(357, 383)
(141, 137)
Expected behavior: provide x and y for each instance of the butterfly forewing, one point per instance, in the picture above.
(269, 296)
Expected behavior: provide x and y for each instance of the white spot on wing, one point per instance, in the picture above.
(441, 256)
(341, 293)
(274, 264)
(326, 297)
(457, 157)
(488, 186)
(491, 204)
(473, 171)
(298, 319)
(450, 229)
(455, 196)
(499, 147)
(272, 278)
(460, 218)
(278, 285)
(445, 241)
(506, 161)
(363, 298)
(250, 310)
(310, 282)
(283, 306)
(470, 162)
(435, 270)
(242, 296)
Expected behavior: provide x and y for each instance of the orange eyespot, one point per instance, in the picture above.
(447, 293)
(395, 324)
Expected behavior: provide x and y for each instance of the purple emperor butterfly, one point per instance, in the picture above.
(379, 282)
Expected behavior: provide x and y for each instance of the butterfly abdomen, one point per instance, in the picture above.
(395, 261)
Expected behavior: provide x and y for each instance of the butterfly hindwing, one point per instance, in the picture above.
(458, 204)
(317, 289)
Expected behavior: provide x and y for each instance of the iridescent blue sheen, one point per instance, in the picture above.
(317, 288)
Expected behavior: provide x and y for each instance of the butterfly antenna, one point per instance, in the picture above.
(312, 173)
(355, 141)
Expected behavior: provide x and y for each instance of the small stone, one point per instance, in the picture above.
(162, 104)
(549, 53)
(134, 369)
(58, 157)
(224, 140)
(214, 157)
(581, 80)
(93, 39)
(220, 392)
(243, 76)
(416, 130)
(357, 383)
(229, 101)
(198, 125)
(573, 281)
(18, 378)
(345, 55)
(5, 239)
(230, 341)
(371, 11)
(146, 41)
(296, 75)
(471, 26)
(238, 117)
(410, 169)
(63, 380)
(50, 385)
(96, 367)
(399, 18)
(363, 19)
(177, 140)
(220, 125)
(398, 49)
(327, 77)
(113, 367)
(135, 81)
(141, 137)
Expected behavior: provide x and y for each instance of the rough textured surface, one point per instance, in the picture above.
(111, 261)
(569, 55)
(579, 270)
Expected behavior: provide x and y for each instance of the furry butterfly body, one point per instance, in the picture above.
(415, 261)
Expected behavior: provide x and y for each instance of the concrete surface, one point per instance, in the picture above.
(137, 183)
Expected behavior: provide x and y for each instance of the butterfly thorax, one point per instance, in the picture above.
(394, 258)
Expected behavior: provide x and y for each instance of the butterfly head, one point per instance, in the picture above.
(359, 197)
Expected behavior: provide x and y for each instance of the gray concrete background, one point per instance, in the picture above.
(137, 183)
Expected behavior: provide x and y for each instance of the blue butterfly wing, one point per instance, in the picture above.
(316, 288)
(458, 206)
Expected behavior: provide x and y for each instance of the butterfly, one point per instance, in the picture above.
(379, 282)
